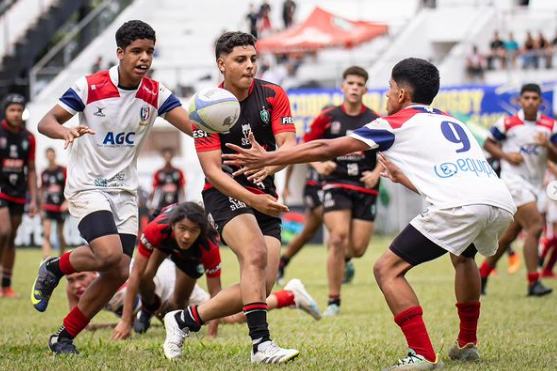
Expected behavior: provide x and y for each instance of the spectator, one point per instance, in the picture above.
(265, 17)
(288, 10)
(544, 49)
(252, 17)
(475, 63)
(512, 50)
(530, 56)
(497, 51)
(97, 66)
(553, 46)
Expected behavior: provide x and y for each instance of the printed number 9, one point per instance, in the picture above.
(455, 134)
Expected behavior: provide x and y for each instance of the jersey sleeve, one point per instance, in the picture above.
(205, 142)
(281, 115)
(75, 97)
(150, 239)
(378, 134)
(156, 182)
(210, 257)
(32, 147)
(182, 179)
(318, 127)
(167, 101)
(498, 132)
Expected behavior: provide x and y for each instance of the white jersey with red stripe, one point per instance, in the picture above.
(439, 155)
(515, 134)
(121, 119)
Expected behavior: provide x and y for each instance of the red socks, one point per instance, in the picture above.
(485, 270)
(412, 325)
(65, 265)
(75, 322)
(284, 298)
(468, 314)
(533, 277)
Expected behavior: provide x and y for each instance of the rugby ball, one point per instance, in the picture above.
(214, 110)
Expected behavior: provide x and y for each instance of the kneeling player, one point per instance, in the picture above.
(182, 232)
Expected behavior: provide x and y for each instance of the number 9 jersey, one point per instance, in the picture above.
(439, 155)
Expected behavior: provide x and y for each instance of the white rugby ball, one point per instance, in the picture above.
(214, 110)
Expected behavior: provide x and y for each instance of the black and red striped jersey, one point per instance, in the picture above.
(53, 182)
(265, 112)
(334, 122)
(167, 184)
(17, 150)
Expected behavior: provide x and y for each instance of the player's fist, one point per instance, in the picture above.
(514, 158)
(267, 204)
(325, 168)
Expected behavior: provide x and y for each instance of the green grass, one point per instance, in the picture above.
(515, 332)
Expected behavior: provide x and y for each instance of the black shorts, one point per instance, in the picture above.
(191, 268)
(58, 216)
(223, 209)
(415, 248)
(313, 196)
(14, 208)
(363, 205)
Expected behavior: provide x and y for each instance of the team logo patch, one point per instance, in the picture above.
(335, 127)
(25, 145)
(99, 112)
(144, 114)
(265, 116)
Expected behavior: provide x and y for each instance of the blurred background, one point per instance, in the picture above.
(485, 50)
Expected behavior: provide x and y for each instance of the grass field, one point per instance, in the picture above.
(515, 332)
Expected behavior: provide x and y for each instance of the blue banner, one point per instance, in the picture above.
(480, 106)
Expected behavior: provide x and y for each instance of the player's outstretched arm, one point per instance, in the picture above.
(52, 123)
(496, 151)
(180, 119)
(316, 150)
(123, 328)
(212, 167)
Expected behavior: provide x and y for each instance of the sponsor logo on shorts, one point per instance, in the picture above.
(329, 200)
(236, 204)
(464, 165)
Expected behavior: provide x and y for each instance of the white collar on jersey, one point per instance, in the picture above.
(520, 115)
(113, 73)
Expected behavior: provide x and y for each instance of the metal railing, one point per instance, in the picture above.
(65, 51)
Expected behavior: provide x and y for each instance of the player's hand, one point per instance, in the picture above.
(250, 159)
(325, 168)
(33, 208)
(121, 331)
(268, 205)
(76, 132)
(542, 139)
(64, 207)
(370, 179)
(258, 175)
(514, 158)
(390, 170)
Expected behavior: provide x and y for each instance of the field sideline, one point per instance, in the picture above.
(515, 333)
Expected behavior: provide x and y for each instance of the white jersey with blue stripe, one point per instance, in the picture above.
(121, 119)
(439, 155)
(515, 134)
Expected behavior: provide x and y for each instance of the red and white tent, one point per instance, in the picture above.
(321, 30)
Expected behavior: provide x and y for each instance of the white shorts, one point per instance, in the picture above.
(551, 211)
(165, 282)
(122, 205)
(198, 296)
(523, 192)
(455, 229)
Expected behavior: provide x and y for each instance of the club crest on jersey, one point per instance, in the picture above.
(265, 116)
(335, 127)
(144, 114)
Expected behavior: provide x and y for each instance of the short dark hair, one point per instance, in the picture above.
(50, 149)
(357, 71)
(229, 40)
(168, 149)
(420, 75)
(134, 30)
(533, 88)
(195, 213)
